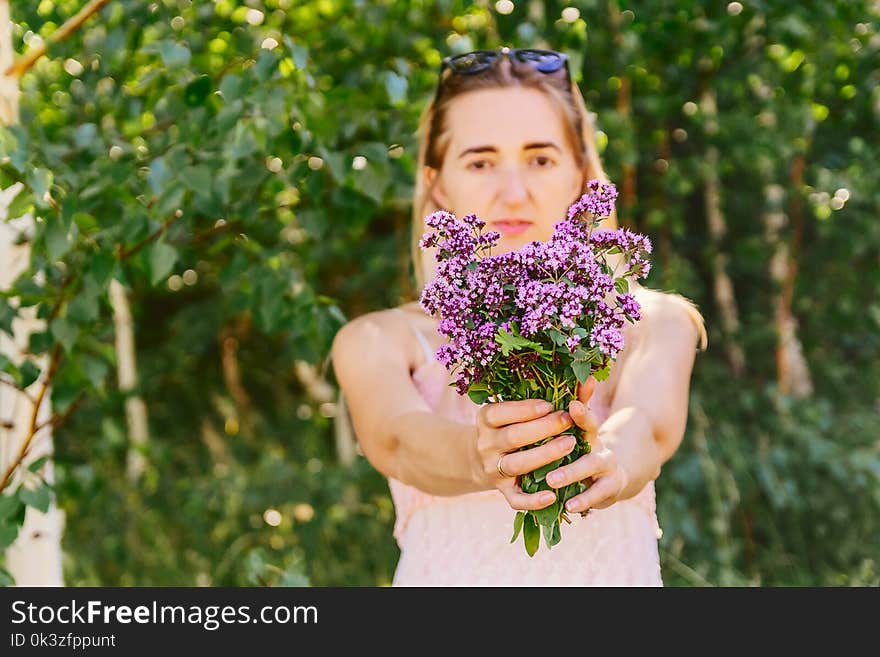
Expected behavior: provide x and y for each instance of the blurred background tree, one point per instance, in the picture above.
(225, 183)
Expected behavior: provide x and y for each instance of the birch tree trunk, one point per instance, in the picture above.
(126, 371)
(35, 557)
(318, 389)
(792, 372)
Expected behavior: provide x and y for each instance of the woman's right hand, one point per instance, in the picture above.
(503, 428)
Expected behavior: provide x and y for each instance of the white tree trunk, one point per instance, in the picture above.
(793, 374)
(135, 408)
(318, 389)
(35, 557)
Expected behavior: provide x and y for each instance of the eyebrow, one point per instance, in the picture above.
(528, 147)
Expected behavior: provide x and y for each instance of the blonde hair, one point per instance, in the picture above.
(433, 139)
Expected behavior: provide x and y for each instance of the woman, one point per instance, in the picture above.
(507, 137)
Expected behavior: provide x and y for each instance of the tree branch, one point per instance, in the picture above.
(123, 253)
(57, 420)
(22, 64)
(53, 368)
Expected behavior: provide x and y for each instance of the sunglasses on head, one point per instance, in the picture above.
(545, 61)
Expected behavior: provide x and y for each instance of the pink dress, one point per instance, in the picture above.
(465, 540)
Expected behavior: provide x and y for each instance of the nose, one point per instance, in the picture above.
(514, 192)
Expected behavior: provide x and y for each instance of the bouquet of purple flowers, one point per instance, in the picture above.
(536, 322)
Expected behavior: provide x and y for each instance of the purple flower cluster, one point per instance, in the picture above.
(599, 201)
(562, 287)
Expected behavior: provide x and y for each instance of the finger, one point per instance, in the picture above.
(529, 433)
(585, 391)
(593, 464)
(528, 501)
(585, 419)
(500, 414)
(598, 496)
(529, 460)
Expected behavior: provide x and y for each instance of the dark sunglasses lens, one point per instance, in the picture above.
(546, 61)
(472, 62)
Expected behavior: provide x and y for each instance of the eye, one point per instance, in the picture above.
(479, 165)
(542, 161)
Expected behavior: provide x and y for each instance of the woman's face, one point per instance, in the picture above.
(509, 162)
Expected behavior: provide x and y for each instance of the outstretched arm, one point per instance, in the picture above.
(398, 432)
(648, 411)
(403, 438)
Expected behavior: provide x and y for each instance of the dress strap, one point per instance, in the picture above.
(429, 353)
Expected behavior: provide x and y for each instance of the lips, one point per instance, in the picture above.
(513, 226)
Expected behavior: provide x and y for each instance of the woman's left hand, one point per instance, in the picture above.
(608, 478)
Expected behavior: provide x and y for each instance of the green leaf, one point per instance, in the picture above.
(508, 342)
(7, 314)
(478, 392)
(8, 367)
(621, 285)
(243, 141)
(548, 514)
(541, 472)
(174, 54)
(85, 135)
(267, 62)
(40, 342)
(552, 535)
(197, 90)
(336, 163)
(65, 392)
(65, 332)
(6, 578)
(85, 222)
(9, 506)
(171, 199)
(13, 143)
(36, 465)
(582, 370)
(231, 88)
(39, 180)
(101, 267)
(197, 179)
(95, 370)
(39, 497)
(517, 524)
(21, 204)
(528, 484)
(531, 534)
(557, 336)
(29, 373)
(8, 534)
(83, 308)
(602, 374)
(372, 181)
(162, 259)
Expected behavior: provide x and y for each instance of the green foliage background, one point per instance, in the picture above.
(246, 116)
